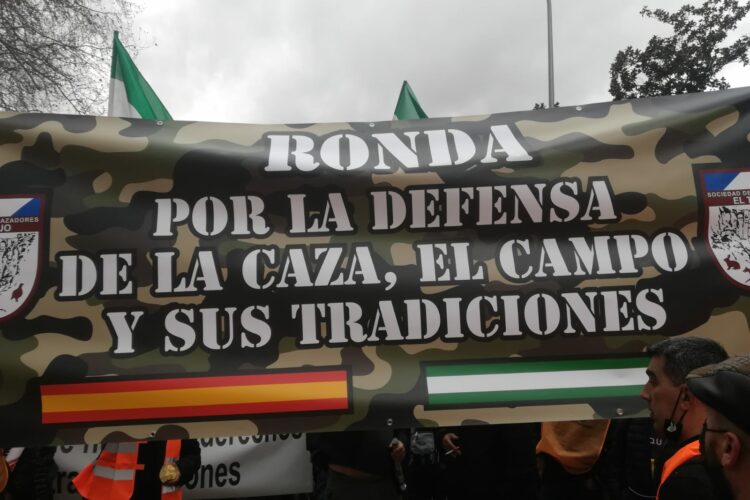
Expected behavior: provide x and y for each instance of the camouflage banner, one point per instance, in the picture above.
(173, 279)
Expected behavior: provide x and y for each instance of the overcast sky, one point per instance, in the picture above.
(298, 61)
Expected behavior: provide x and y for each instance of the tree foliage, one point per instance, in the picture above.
(55, 54)
(687, 61)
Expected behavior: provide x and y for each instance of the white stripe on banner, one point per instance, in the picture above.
(741, 181)
(536, 380)
(9, 206)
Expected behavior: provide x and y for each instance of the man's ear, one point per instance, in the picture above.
(730, 449)
(686, 398)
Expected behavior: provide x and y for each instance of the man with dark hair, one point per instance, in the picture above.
(677, 414)
(725, 438)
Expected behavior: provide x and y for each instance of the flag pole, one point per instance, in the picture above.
(550, 56)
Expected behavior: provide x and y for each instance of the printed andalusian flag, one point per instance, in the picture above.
(191, 397)
(521, 381)
(130, 95)
(407, 107)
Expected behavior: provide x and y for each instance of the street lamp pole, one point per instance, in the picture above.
(550, 56)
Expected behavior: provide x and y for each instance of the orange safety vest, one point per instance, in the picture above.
(112, 475)
(683, 455)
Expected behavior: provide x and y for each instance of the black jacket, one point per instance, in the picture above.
(151, 456)
(635, 459)
(689, 481)
(496, 461)
(33, 475)
(366, 451)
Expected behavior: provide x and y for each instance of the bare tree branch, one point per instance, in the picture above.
(55, 54)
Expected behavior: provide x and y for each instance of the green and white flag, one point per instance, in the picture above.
(521, 381)
(130, 95)
(407, 107)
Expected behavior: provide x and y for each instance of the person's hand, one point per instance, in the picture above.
(169, 474)
(450, 444)
(398, 451)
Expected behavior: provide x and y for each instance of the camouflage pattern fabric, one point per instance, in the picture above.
(184, 279)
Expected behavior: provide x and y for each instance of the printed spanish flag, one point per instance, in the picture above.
(268, 393)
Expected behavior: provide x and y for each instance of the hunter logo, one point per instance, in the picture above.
(726, 201)
(21, 232)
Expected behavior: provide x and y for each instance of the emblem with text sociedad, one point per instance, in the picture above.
(21, 237)
(726, 218)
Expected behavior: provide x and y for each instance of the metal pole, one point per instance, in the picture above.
(550, 56)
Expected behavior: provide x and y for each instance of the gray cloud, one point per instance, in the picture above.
(294, 61)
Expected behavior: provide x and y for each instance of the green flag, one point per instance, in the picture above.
(407, 107)
(130, 95)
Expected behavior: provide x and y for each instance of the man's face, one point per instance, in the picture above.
(709, 437)
(710, 441)
(660, 393)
